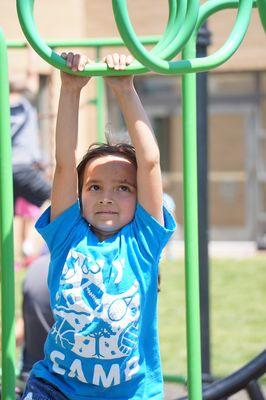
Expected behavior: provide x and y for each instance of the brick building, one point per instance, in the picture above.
(237, 105)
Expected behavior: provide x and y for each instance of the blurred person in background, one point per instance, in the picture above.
(30, 183)
(37, 318)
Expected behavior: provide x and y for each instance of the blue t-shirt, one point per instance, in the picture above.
(104, 343)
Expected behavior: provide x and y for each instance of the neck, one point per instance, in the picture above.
(103, 235)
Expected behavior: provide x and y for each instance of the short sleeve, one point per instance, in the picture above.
(60, 232)
(150, 234)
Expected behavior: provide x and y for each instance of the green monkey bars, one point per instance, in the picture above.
(188, 64)
(184, 21)
(185, 18)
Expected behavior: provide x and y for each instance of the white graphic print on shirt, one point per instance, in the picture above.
(97, 311)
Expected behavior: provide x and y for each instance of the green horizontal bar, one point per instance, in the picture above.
(97, 42)
(174, 379)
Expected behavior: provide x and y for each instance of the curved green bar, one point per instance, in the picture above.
(235, 38)
(169, 31)
(164, 48)
(213, 6)
(262, 11)
(176, 19)
(173, 34)
(25, 14)
(175, 23)
(153, 62)
(195, 64)
(94, 42)
(6, 234)
(177, 12)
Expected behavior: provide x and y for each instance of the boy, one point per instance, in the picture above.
(105, 250)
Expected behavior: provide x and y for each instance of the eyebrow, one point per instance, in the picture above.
(97, 181)
(92, 181)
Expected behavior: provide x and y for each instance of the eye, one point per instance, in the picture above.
(123, 188)
(94, 188)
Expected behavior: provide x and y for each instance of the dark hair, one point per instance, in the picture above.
(100, 150)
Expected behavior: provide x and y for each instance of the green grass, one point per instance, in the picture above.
(238, 299)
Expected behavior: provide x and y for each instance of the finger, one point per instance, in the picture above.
(109, 61)
(76, 62)
(82, 62)
(129, 59)
(64, 55)
(116, 60)
(69, 59)
(122, 63)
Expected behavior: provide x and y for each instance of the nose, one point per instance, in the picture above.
(105, 201)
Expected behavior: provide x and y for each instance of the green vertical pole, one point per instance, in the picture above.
(6, 234)
(191, 227)
(100, 103)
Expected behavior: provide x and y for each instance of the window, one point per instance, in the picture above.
(161, 126)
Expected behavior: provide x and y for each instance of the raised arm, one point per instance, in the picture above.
(64, 189)
(149, 180)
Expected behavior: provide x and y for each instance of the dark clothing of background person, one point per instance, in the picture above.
(28, 177)
(37, 313)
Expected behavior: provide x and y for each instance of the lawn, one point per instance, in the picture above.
(238, 299)
(238, 323)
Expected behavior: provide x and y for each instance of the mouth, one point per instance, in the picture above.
(106, 212)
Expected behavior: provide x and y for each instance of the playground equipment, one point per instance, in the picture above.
(185, 18)
(6, 231)
(245, 378)
(97, 45)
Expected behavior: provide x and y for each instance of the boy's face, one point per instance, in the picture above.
(109, 194)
